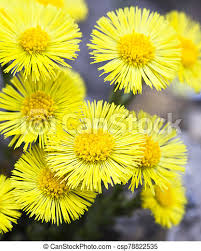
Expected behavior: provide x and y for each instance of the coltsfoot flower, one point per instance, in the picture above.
(167, 205)
(9, 208)
(135, 44)
(31, 110)
(164, 156)
(45, 196)
(189, 34)
(37, 39)
(100, 151)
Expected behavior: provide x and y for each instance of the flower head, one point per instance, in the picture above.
(189, 34)
(167, 205)
(135, 44)
(164, 153)
(8, 206)
(45, 196)
(99, 150)
(32, 110)
(77, 9)
(37, 39)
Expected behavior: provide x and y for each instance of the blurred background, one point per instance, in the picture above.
(117, 214)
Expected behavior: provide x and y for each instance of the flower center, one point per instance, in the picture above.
(51, 185)
(164, 197)
(56, 3)
(34, 40)
(190, 52)
(152, 153)
(93, 147)
(38, 107)
(136, 49)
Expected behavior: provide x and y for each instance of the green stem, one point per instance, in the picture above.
(126, 99)
(119, 98)
(115, 97)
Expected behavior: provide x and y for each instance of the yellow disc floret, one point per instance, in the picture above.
(164, 197)
(190, 52)
(136, 49)
(34, 40)
(51, 185)
(56, 3)
(38, 107)
(152, 153)
(92, 147)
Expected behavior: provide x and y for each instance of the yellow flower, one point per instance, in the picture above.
(37, 39)
(164, 154)
(32, 110)
(77, 9)
(45, 196)
(8, 206)
(100, 150)
(136, 45)
(168, 205)
(189, 34)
